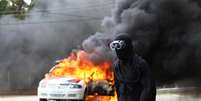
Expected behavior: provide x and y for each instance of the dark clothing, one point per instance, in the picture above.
(133, 80)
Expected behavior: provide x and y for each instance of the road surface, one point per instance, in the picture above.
(162, 97)
(167, 94)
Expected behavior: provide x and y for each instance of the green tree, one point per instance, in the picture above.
(3, 6)
(17, 8)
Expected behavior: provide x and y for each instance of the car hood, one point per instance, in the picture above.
(62, 80)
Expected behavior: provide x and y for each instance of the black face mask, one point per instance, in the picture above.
(126, 52)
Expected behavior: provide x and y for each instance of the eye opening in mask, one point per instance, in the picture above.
(117, 45)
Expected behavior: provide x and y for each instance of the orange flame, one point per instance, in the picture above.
(79, 65)
(102, 98)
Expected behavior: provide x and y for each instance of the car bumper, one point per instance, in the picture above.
(61, 94)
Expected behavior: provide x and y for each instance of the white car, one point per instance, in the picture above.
(62, 88)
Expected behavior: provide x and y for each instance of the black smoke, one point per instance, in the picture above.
(28, 48)
(167, 33)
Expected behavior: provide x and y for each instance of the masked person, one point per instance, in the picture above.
(132, 75)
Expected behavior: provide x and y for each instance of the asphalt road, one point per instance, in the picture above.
(162, 97)
(18, 98)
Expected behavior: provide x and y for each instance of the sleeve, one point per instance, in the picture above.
(116, 82)
(148, 85)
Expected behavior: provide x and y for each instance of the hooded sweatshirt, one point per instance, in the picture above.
(133, 79)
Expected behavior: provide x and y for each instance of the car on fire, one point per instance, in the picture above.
(62, 88)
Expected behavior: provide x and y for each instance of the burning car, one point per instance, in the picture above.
(61, 88)
(77, 78)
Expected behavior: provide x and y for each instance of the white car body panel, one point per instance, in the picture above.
(61, 88)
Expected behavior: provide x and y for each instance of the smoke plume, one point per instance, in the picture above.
(166, 33)
(50, 31)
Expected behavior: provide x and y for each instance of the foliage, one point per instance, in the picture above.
(17, 8)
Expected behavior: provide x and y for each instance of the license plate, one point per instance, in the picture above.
(71, 95)
(57, 95)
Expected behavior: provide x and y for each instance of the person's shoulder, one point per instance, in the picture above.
(115, 65)
(115, 62)
(139, 59)
(142, 64)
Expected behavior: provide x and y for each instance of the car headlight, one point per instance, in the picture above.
(75, 86)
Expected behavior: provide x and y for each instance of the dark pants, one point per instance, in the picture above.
(130, 97)
(129, 94)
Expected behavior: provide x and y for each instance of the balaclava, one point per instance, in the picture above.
(122, 45)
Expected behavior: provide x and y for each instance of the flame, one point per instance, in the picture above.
(79, 65)
(102, 98)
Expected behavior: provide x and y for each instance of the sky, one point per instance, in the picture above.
(28, 1)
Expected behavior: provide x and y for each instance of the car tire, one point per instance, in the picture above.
(42, 99)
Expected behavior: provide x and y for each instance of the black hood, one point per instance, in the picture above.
(126, 52)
